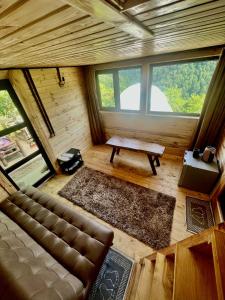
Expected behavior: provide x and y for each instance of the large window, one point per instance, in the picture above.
(173, 88)
(119, 89)
(22, 158)
(106, 90)
(180, 88)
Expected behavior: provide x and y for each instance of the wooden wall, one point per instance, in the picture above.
(3, 181)
(3, 194)
(220, 187)
(65, 106)
(4, 74)
(173, 132)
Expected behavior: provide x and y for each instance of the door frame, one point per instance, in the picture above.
(5, 84)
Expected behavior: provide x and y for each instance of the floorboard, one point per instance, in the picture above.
(134, 167)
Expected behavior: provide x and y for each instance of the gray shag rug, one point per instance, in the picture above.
(142, 213)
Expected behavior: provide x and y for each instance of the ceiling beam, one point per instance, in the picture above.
(133, 4)
(103, 11)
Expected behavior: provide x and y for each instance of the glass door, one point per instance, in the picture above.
(22, 158)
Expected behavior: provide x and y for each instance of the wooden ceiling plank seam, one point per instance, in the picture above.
(136, 45)
(189, 18)
(8, 10)
(185, 40)
(58, 10)
(6, 4)
(158, 7)
(49, 31)
(121, 49)
(184, 4)
(181, 14)
(185, 31)
(148, 5)
(165, 57)
(131, 4)
(25, 45)
(55, 19)
(115, 43)
(30, 11)
(82, 51)
(83, 54)
(131, 46)
(103, 11)
(55, 57)
(199, 22)
(93, 37)
(155, 41)
(60, 46)
(71, 63)
(58, 42)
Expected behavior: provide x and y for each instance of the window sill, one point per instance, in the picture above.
(156, 115)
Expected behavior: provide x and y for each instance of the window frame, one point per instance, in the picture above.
(116, 88)
(110, 71)
(166, 113)
(5, 84)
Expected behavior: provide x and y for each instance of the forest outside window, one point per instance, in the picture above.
(119, 89)
(180, 88)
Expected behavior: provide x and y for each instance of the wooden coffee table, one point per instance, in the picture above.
(153, 151)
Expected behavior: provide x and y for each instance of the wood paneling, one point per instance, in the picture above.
(4, 74)
(3, 194)
(6, 187)
(220, 187)
(50, 33)
(175, 133)
(65, 106)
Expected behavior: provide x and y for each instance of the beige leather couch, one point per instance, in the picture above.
(47, 250)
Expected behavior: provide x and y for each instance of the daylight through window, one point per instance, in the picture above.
(174, 88)
(120, 89)
(181, 87)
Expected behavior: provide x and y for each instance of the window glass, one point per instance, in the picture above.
(106, 90)
(16, 146)
(130, 88)
(180, 87)
(30, 172)
(9, 114)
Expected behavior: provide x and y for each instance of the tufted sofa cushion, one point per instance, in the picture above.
(76, 242)
(27, 271)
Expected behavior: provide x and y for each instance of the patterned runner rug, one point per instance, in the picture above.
(113, 278)
(199, 214)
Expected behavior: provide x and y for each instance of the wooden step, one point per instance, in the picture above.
(133, 282)
(151, 257)
(162, 283)
(194, 273)
(145, 280)
(218, 246)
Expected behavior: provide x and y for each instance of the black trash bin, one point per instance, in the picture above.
(70, 161)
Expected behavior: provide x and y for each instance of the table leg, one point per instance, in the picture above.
(151, 161)
(118, 151)
(113, 153)
(157, 161)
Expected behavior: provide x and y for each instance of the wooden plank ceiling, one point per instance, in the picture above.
(36, 33)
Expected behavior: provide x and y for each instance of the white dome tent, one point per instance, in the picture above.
(130, 99)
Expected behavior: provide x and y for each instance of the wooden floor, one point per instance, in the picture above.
(134, 167)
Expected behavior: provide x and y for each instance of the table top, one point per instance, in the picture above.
(197, 163)
(137, 145)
